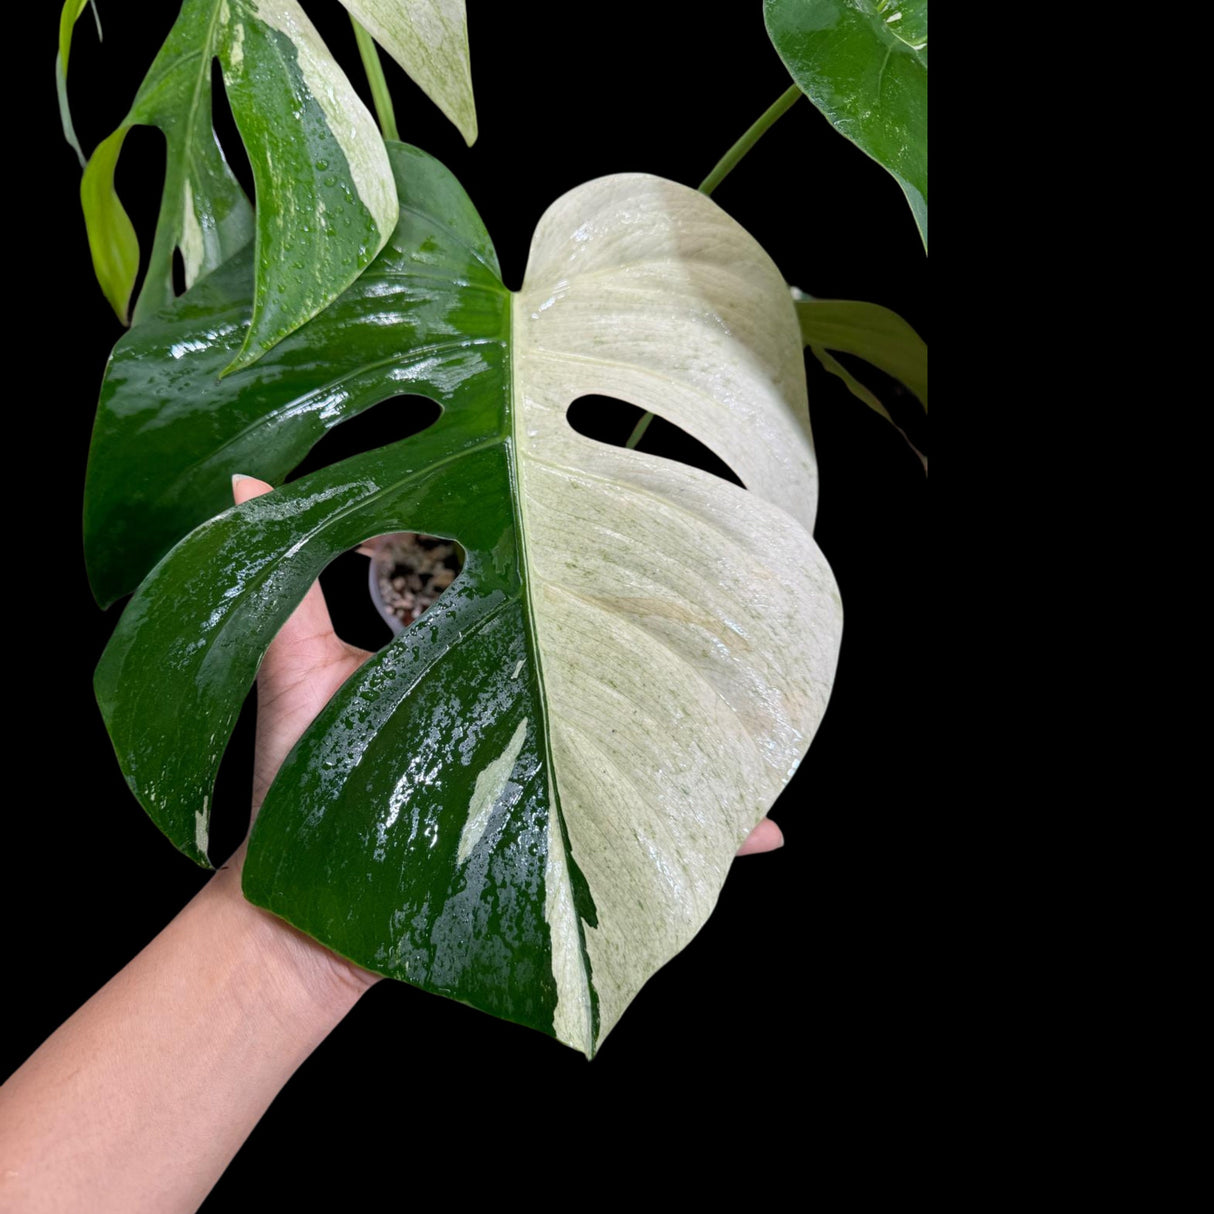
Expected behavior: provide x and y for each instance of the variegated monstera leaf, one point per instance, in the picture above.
(324, 185)
(528, 800)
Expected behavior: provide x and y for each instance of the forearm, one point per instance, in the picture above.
(143, 1097)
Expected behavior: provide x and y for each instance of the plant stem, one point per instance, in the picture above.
(375, 78)
(638, 431)
(727, 162)
(724, 167)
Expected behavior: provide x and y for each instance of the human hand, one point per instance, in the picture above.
(304, 665)
(141, 1099)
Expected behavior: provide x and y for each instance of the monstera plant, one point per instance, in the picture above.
(529, 799)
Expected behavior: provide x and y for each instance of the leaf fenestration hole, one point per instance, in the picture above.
(410, 571)
(386, 422)
(178, 272)
(387, 583)
(406, 574)
(227, 133)
(230, 799)
(144, 159)
(607, 420)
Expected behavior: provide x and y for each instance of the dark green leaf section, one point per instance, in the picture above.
(170, 433)
(315, 232)
(359, 839)
(863, 63)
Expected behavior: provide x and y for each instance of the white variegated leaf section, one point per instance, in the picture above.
(687, 629)
(429, 39)
(349, 120)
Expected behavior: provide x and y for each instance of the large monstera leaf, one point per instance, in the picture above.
(528, 800)
(326, 198)
(863, 63)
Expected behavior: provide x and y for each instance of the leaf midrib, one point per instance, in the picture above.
(516, 478)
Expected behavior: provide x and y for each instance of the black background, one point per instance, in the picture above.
(812, 979)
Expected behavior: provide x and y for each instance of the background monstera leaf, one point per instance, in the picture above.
(870, 332)
(863, 63)
(530, 799)
(429, 39)
(320, 168)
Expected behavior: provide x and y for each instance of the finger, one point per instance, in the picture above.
(310, 621)
(767, 836)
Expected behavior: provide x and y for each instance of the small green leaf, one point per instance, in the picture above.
(863, 63)
(72, 9)
(67, 24)
(429, 39)
(871, 332)
(530, 799)
(112, 239)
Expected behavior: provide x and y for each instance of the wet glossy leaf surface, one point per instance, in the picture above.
(319, 166)
(863, 63)
(170, 433)
(529, 799)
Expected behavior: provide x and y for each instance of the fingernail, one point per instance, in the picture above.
(237, 477)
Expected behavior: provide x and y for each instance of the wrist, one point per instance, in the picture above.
(139, 1101)
(307, 985)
